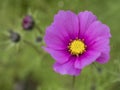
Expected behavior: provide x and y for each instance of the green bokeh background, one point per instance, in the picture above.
(20, 64)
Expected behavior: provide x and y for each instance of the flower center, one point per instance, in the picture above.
(77, 47)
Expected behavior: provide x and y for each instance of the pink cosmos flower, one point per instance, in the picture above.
(76, 41)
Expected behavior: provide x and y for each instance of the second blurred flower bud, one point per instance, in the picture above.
(38, 39)
(15, 37)
(28, 23)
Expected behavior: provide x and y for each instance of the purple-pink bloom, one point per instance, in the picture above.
(28, 22)
(76, 41)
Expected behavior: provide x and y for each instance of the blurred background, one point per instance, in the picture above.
(25, 66)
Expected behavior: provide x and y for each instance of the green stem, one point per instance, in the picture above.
(73, 83)
(32, 45)
(39, 29)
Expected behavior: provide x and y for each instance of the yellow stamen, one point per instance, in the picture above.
(77, 47)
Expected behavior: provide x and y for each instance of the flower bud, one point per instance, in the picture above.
(28, 23)
(93, 87)
(99, 70)
(38, 39)
(15, 37)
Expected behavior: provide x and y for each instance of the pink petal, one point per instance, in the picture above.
(97, 29)
(67, 68)
(60, 56)
(54, 39)
(85, 18)
(101, 44)
(104, 57)
(64, 28)
(68, 23)
(87, 58)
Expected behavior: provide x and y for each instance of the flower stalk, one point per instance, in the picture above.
(32, 45)
(73, 83)
(39, 29)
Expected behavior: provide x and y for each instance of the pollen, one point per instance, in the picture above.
(77, 47)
